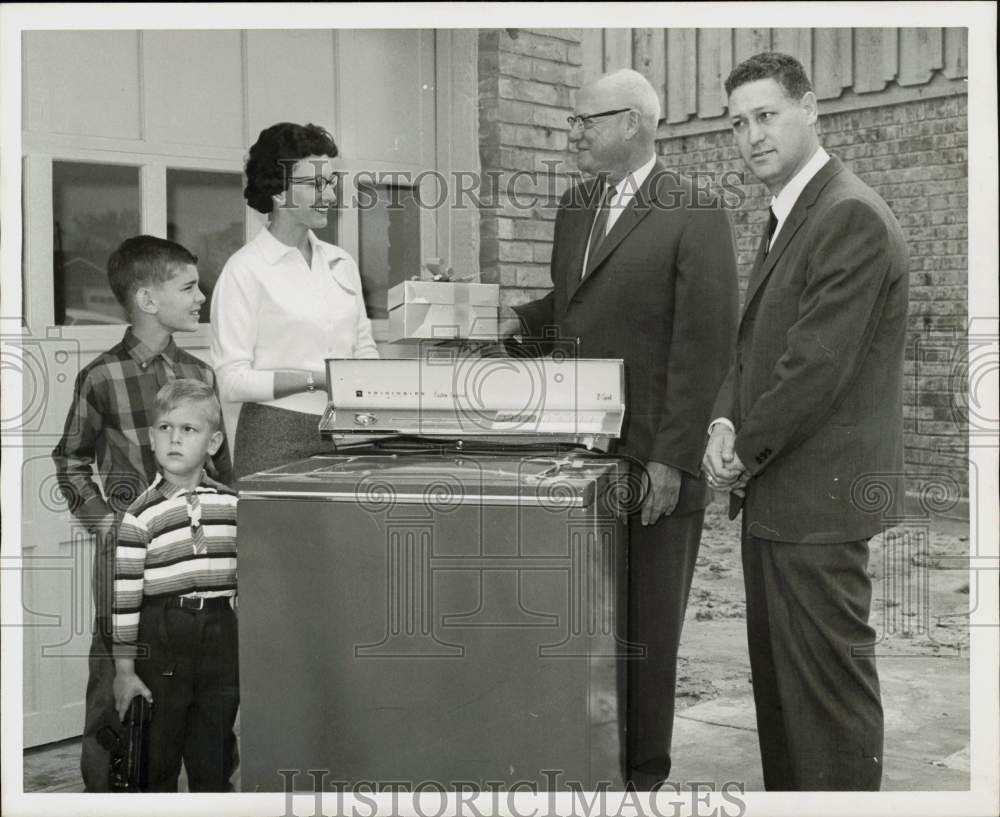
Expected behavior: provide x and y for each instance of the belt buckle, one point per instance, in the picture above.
(193, 603)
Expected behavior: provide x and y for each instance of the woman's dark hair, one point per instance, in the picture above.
(273, 154)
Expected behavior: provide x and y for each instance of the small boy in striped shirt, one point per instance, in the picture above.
(173, 622)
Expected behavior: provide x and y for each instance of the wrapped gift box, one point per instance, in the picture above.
(443, 310)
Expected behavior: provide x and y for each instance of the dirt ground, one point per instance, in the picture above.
(920, 604)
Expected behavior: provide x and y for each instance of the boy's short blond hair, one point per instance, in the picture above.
(188, 390)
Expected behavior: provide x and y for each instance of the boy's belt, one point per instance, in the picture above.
(194, 603)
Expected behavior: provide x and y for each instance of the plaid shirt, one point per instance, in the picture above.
(109, 421)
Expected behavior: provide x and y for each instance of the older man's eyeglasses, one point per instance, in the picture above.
(586, 121)
(319, 183)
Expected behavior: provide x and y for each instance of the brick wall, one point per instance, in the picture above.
(914, 154)
(527, 81)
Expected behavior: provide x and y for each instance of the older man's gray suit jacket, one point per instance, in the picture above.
(660, 292)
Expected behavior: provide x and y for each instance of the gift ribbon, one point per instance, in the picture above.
(463, 310)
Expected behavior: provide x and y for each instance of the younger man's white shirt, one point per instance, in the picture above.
(782, 205)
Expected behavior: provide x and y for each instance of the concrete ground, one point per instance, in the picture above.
(920, 601)
(926, 704)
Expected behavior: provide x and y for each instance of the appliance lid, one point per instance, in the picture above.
(450, 393)
(437, 480)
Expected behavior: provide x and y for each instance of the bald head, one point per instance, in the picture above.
(614, 131)
(633, 90)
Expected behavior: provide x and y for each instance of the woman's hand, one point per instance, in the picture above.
(296, 381)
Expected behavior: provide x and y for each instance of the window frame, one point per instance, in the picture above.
(39, 285)
(454, 137)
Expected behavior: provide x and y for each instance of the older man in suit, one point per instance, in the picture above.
(809, 419)
(644, 269)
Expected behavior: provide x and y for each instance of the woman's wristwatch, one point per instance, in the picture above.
(310, 382)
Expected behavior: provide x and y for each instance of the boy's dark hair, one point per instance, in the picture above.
(189, 390)
(782, 68)
(273, 154)
(143, 260)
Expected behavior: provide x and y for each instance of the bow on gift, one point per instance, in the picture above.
(436, 271)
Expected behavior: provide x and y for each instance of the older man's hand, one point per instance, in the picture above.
(664, 488)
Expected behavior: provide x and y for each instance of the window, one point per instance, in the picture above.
(101, 166)
(205, 213)
(389, 245)
(94, 208)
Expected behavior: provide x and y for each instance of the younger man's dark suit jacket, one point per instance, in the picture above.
(816, 390)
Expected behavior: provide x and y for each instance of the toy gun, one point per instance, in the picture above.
(129, 750)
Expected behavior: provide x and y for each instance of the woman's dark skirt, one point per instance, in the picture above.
(267, 437)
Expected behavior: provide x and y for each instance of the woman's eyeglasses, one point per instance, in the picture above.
(319, 183)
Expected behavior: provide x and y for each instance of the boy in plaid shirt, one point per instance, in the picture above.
(173, 620)
(108, 426)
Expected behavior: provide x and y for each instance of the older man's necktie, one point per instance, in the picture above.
(600, 224)
(197, 531)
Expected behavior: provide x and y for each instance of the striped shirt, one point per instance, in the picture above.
(157, 556)
(108, 424)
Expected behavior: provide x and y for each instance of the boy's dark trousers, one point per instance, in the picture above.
(192, 669)
(99, 705)
(95, 762)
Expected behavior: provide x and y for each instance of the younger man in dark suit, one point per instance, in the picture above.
(643, 272)
(810, 412)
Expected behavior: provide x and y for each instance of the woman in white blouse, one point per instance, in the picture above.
(285, 301)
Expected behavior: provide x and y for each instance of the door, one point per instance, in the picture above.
(126, 144)
(78, 206)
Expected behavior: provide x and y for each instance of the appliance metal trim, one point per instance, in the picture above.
(413, 498)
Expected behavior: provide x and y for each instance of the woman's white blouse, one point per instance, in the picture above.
(271, 311)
